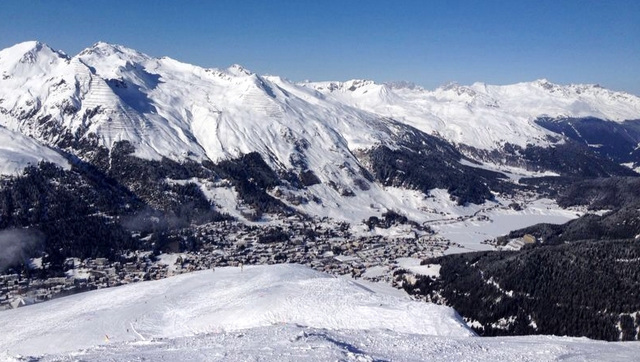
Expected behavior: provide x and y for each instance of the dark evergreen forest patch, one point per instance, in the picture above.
(577, 289)
(77, 216)
(252, 177)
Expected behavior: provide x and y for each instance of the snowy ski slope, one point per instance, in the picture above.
(228, 299)
(271, 313)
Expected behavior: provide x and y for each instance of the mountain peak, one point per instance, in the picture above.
(543, 81)
(104, 49)
(576, 88)
(239, 70)
(28, 45)
(28, 51)
(350, 85)
(460, 90)
(546, 84)
(354, 84)
(402, 84)
(104, 46)
(27, 56)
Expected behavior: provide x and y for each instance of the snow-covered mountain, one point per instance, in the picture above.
(346, 150)
(166, 108)
(335, 138)
(481, 115)
(170, 109)
(273, 313)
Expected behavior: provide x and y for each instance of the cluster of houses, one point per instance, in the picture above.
(518, 243)
(82, 275)
(323, 245)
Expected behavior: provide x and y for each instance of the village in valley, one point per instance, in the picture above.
(323, 244)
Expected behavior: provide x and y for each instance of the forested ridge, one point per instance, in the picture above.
(580, 279)
(589, 289)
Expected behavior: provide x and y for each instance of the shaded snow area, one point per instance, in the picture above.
(270, 313)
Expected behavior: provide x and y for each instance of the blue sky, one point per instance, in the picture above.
(426, 42)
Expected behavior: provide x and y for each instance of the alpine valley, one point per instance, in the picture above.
(517, 205)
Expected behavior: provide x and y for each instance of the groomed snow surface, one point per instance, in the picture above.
(272, 313)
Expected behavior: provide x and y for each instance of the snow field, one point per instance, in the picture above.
(224, 300)
(270, 313)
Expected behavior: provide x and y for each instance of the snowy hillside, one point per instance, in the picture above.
(18, 151)
(273, 313)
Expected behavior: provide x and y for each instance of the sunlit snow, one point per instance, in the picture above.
(270, 313)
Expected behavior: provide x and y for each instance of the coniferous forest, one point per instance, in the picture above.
(578, 289)
(580, 279)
